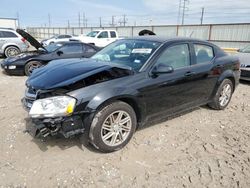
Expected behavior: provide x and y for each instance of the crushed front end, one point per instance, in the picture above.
(50, 124)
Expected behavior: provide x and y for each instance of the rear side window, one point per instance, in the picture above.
(176, 56)
(89, 49)
(8, 34)
(113, 34)
(71, 49)
(204, 53)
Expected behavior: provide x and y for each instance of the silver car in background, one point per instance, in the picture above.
(244, 56)
(11, 43)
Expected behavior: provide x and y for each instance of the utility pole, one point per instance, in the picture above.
(202, 15)
(183, 11)
(124, 20)
(68, 24)
(83, 19)
(86, 22)
(113, 21)
(100, 20)
(79, 19)
(179, 12)
(49, 20)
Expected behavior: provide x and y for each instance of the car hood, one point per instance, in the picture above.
(65, 72)
(30, 39)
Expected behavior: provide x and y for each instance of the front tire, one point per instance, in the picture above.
(31, 66)
(112, 127)
(11, 51)
(223, 95)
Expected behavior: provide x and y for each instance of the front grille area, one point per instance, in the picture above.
(245, 73)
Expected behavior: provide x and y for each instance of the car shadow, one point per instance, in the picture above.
(82, 143)
(63, 143)
(244, 82)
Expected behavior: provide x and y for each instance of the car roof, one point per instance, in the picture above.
(6, 29)
(154, 38)
(76, 42)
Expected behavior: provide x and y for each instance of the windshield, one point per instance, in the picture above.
(52, 47)
(132, 53)
(246, 49)
(93, 33)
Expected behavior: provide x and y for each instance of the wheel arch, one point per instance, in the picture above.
(229, 74)
(130, 100)
(10, 45)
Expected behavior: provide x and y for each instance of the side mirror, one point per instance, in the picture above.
(59, 53)
(162, 69)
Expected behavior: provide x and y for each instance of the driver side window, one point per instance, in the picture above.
(176, 56)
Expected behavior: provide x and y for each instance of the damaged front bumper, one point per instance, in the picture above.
(66, 126)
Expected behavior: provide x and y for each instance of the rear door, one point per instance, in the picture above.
(2, 40)
(113, 36)
(202, 71)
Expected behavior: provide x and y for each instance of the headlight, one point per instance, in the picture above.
(53, 107)
(12, 67)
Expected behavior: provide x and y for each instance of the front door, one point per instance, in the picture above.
(171, 92)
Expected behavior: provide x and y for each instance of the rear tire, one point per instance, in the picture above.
(11, 51)
(31, 66)
(112, 127)
(223, 95)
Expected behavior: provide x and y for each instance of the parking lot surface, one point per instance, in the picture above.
(202, 148)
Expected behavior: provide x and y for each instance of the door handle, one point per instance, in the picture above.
(188, 74)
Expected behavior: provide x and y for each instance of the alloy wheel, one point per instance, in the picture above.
(225, 95)
(116, 128)
(12, 52)
(33, 65)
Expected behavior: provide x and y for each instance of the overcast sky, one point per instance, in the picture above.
(138, 12)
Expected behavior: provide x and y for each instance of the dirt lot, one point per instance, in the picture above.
(203, 148)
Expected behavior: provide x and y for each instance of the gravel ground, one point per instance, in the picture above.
(203, 148)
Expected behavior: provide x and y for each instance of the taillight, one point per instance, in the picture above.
(23, 39)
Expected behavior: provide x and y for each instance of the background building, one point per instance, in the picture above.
(9, 23)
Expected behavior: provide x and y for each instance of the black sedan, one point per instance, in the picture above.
(25, 63)
(128, 83)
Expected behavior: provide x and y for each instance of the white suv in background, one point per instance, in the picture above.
(11, 43)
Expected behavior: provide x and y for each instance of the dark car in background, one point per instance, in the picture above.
(126, 84)
(26, 62)
(244, 55)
